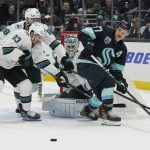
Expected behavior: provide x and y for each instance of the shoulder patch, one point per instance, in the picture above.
(107, 40)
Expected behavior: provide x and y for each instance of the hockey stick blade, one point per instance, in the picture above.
(130, 99)
(119, 105)
(28, 119)
(117, 82)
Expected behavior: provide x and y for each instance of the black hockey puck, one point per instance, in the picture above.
(53, 140)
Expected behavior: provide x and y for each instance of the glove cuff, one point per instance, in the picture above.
(63, 60)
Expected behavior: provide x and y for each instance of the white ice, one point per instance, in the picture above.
(71, 134)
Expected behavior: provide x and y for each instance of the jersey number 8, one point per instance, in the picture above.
(6, 31)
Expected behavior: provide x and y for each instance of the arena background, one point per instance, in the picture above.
(73, 15)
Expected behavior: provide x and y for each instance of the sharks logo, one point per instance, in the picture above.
(18, 26)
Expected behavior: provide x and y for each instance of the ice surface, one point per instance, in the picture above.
(71, 134)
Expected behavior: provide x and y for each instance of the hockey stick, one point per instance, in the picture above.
(121, 105)
(95, 59)
(130, 99)
(82, 92)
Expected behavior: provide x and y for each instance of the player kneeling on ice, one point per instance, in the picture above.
(82, 87)
(107, 46)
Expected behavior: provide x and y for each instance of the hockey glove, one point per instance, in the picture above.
(26, 60)
(67, 64)
(122, 86)
(62, 79)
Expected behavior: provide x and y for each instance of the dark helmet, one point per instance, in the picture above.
(125, 25)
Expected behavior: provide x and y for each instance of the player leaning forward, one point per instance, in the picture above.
(16, 50)
(107, 46)
(32, 15)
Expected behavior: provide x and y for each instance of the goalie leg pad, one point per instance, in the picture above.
(64, 108)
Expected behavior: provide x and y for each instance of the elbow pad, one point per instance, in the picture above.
(87, 43)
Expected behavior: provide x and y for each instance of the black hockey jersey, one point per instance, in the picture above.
(100, 42)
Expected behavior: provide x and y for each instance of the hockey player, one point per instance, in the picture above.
(107, 46)
(73, 48)
(15, 51)
(33, 15)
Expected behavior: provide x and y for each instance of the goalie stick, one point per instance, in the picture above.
(135, 100)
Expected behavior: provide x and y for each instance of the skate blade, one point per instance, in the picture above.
(110, 123)
(87, 118)
(28, 119)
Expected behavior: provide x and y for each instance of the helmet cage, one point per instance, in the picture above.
(71, 45)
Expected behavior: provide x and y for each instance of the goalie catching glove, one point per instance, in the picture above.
(61, 79)
(122, 85)
(26, 60)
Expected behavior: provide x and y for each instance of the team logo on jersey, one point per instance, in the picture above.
(107, 40)
(107, 54)
(18, 26)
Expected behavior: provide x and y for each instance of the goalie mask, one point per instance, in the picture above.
(32, 15)
(71, 45)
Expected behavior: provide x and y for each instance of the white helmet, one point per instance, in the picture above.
(32, 15)
(37, 28)
(71, 45)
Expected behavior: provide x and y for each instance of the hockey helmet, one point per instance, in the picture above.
(37, 28)
(71, 45)
(32, 15)
(125, 25)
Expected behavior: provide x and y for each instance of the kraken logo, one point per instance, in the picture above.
(107, 54)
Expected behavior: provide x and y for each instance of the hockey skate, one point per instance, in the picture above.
(29, 115)
(18, 110)
(87, 112)
(108, 118)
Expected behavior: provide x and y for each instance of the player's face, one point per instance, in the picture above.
(33, 20)
(36, 39)
(121, 33)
